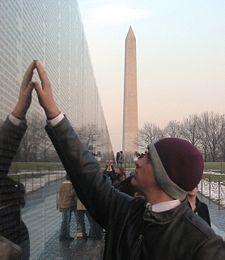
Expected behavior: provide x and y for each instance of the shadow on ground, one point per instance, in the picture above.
(78, 249)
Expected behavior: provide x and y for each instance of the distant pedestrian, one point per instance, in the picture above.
(67, 201)
(109, 171)
(199, 208)
(95, 232)
(121, 159)
(117, 158)
(120, 176)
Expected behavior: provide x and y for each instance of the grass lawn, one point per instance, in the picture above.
(214, 178)
(17, 167)
(215, 166)
(34, 166)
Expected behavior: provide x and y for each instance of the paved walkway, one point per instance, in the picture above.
(79, 249)
(41, 217)
(43, 221)
(217, 215)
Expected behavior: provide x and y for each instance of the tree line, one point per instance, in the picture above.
(206, 131)
(37, 147)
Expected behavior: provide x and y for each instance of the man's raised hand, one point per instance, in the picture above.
(25, 94)
(44, 92)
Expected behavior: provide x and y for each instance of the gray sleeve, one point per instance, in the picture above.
(10, 138)
(93, 188)
(212, 249)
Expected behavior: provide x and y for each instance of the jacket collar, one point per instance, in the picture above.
(166, 216)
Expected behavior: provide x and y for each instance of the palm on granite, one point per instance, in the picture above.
(25, 95)
(44, 92)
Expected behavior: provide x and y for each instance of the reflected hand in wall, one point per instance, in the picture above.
(44, 92)
(25, 94)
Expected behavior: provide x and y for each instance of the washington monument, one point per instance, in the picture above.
(130, 107)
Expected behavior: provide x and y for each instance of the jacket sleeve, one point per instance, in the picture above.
(10, 138)
(213, 248)
(94, 189)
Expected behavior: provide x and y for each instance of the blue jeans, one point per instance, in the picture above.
(81, 222)
(96, 231)
(65, 225)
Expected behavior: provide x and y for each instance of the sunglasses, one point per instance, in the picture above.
(142, 155)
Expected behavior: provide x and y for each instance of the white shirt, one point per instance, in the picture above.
(163, 206)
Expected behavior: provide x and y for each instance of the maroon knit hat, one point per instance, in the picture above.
(182, 161)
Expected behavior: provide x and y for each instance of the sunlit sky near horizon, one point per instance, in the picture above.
(180, 57)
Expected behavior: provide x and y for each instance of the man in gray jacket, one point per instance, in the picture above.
(67, 203)
(161, 226)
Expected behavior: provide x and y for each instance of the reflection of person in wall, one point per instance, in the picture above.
(81, 227)
(67, 202)
(95, 232)
(161, 226)
(199, 208)
(110, 171)
(12, 192)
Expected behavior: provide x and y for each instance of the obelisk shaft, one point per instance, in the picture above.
(130, 109)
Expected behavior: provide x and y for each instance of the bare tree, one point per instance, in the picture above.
(89, 135)
(35, 143)
(46, 150)
(189, 129)
(172, 129)
(96, 141)
(149, 134)
(222, 150)
(211, 134)
(222, 143)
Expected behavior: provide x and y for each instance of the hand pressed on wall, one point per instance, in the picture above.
(25, 95)
(44, 92)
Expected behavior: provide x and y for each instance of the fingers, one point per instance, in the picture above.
(28, 75)
(30, 87)
(43, 75)
(37, 87)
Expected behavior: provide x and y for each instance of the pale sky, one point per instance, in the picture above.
(180, 57)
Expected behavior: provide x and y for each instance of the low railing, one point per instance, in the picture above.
(34, 180)
(213, 186)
